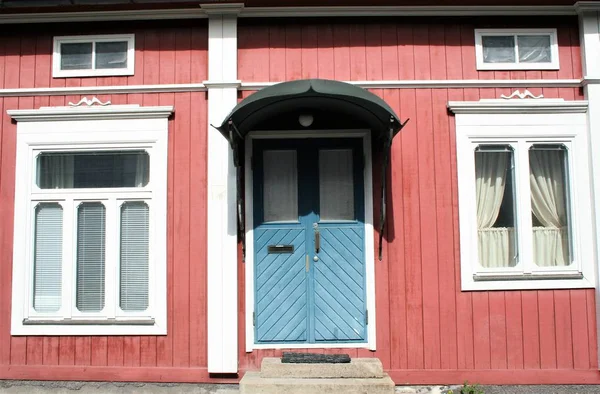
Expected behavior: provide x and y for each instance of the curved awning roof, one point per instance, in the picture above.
(336, 97)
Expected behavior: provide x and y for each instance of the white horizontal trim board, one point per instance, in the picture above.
(282, 12)
(91, 113)
(516, 106)
(383, 84)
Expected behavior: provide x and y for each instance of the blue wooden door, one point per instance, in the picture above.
(309, 275)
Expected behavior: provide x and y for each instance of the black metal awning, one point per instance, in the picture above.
(337, 98)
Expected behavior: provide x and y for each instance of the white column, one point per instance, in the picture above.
(589, 30)
(222, 283)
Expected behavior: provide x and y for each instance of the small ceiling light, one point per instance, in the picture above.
(305, 120)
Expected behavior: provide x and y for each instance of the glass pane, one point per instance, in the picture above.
(47, 258)
(280, 185)
(64, 170)
(534, 49)
(495, 199)
(91, 233)
(77, 56)
(549, 205)
(134, 256)
(336, 184)
(498, 49)
(111, 55)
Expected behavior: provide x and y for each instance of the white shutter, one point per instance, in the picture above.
(134, 256)
(91, 234)
(47, 258)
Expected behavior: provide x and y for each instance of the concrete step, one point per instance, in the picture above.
(253, 383)
(272, 367)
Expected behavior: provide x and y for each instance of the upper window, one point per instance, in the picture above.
(80, 56)
(90, 227)
(527, 49)
(523, 184)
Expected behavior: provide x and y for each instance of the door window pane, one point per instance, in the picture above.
(280, 189)
(111, 54)
(76, 56)
(64, 170)
(549, 205)
(495, 198)
(47, 258)
(134, 256)
(91, 233)
(336, 184)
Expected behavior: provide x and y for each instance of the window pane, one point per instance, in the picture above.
(134, 256)
(111, 55)
(549, 205)
(336, 184)
(76, 56)
(63, 170)
(47, 258)
(534, 49)
(280, 185)
(91, 233)
(498, 49)
(495, 198)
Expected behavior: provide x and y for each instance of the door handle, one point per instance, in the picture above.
(317, 237)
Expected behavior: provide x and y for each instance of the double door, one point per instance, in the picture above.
(309, 243)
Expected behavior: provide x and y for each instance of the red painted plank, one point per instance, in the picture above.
(99, 354)
(547, 329)
(115, 351)
(591, 318)
(373, 53)
(481, 330)
(27, 67)
(51, 350)
(199, 52)
(131, 351)
(275, 54)
(148, 351)
(253, 57)
(66, 351)
(428, 225)
(310, 67)
(454, 67)
(467, 39)
(531, 333)
(341, 52)
(579, 325)
(83, 350)
(498, 343)
(35, 350)
(437, 51)
(564, 332)
(293, 52)
(575, 53)
(358, 56)
(514, 330)
(325, 58)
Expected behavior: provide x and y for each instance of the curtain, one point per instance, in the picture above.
(141, 170)
(548, 203)
(280, 185)
(534, 49)
(495, 244)
(56, 171)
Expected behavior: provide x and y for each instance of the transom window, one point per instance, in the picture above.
(527, 49)
(90, 223)
(77, 56)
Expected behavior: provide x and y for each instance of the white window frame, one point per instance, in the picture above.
(57, 72)
(553, 65)
(521, 122)
(127, 127)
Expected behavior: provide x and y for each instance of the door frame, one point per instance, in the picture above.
(365, 135)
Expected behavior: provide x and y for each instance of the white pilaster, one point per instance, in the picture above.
(222, 226)
(589, 30)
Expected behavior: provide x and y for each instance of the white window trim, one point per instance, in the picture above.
(365, 135)
(498, 121)
(70, 128)
(56, 56)
(553, 65)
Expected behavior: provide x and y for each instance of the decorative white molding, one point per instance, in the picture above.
(90, 113)
(524, 95)
(282, 12)
(502, 106)
(222, 8)
(587, 6)
(241, 85)
(89, 103)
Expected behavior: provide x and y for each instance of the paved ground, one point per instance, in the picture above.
(39, 387)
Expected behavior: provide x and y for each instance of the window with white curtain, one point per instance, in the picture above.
(90, 223)
(523, 195)
(525, 49)
(99, 55)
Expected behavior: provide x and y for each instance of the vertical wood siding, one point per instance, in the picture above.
(424, 322)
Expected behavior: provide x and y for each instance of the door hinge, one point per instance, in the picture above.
(367, 317)
(254, 318)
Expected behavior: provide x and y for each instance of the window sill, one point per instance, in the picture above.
(105, 327)
(526, 282)
(495, 277)
(84, 322)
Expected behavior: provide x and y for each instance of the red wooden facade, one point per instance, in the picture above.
(428, 331)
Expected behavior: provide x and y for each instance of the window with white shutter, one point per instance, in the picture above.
(90, 223)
